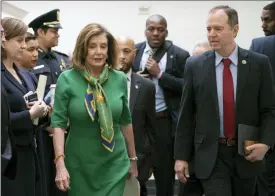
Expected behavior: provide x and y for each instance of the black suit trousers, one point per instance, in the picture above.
(163, 158)
(192, 187)
(266, 181)
(224, 180)
(26, 181)
(48, 171)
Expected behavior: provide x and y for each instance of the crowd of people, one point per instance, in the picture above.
(122, 109)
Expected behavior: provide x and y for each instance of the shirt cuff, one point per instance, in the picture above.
(159, 75)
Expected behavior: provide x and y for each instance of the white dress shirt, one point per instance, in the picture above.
(128, 75)
(160, 102)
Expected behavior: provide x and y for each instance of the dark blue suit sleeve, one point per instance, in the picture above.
(21, 120)
(252, 46)
(185, 133)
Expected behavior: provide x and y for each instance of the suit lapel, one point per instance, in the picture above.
(210, 69)
(170, 60)
(10, 77)
(135, 86)
(243, 70)
(138, 57)
(29, 83)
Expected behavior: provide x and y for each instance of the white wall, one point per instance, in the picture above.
(186, 19)
(9, 10)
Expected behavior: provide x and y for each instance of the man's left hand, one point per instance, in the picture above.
(153, 67)
(258, 152)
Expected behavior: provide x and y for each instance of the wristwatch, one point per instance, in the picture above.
(133, 159)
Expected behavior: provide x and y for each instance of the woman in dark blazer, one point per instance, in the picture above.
(18, 83)
(27, 61)
(8, 153)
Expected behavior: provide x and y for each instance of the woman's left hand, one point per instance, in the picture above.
(133, 169)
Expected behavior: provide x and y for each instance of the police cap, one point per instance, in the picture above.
(49, 19)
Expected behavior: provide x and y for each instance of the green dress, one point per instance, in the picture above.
(93, 170)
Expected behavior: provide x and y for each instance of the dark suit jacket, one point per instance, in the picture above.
(142, 107)
(171, 80)
(21, 123)
(266, 46)
(8, 167)
(255, 106)
(5, 119)
(50, 64)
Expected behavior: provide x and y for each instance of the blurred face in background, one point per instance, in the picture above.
(156, 31)
(28, 58)
(14, 41)
(2, 34)
(200, 49)
(127, 53)
(14, 46)
(268, 22)
(50, 36)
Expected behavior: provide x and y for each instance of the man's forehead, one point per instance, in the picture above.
(32, 42)
(125, 42)
(155, 23)
(267, 13)
(126, 45)
(216, 20)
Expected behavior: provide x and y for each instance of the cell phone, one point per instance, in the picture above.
(31, 98)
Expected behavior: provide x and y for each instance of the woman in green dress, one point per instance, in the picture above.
(92, 96)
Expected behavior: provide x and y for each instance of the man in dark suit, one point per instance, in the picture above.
(50, 63)
(163, 62)
(141, 95)
(268, 19)
(193, 186)
(266, 181)
(223, 88)
(266, 46)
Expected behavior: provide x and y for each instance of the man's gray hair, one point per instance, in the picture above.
(204, 44)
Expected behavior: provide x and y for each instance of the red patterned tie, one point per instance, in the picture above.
(228, 101)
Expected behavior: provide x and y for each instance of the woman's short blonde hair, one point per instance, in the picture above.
(13, 27)
(82, 43)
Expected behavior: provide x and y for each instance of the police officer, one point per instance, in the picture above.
(50, 63)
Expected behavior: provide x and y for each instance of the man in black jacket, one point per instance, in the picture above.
(141, 95)
(266, 45)
(162, 62)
